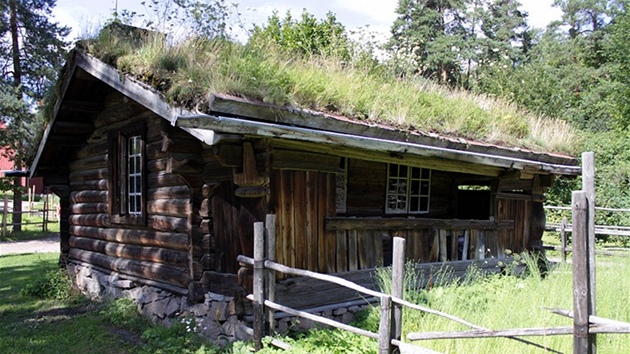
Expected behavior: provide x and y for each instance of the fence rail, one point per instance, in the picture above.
(46, 212)
(391, 305)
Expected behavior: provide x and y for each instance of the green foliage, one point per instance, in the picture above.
(306, 36)
(54, 285)
(174, 340)
(34, 52)
(124, 313)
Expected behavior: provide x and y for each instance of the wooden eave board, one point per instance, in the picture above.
(394, 148)
(238, 107)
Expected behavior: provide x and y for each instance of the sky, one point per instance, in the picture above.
(376, 16)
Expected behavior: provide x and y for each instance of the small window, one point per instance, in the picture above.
(408, 189)
(127, 179)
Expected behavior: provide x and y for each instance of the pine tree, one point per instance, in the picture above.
(433, 33)
(35, 53)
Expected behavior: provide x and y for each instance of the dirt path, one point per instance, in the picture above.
(48, 244)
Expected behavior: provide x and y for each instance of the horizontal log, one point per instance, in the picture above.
(177, 163)
(87, 175)
(94, 220)
(92, 162)
(88, 208)
(174, 192)
(144, 269)
(92, 150)
(340, 223)
(164, 179)
(99, 185)
(137, 252)
(115, 112)
(175, 145)
(170, 240)
(304, 160)
(170, 207)
(167, 223)
(88, 196)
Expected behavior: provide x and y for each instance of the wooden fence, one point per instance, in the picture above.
(585, 322)
(46, 211)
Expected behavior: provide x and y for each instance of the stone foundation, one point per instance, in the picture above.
(217, 318)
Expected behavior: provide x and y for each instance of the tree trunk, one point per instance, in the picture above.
(17, 77)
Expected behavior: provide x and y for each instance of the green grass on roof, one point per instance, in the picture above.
(187, 73)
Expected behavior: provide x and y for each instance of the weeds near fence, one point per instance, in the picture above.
(509, 300)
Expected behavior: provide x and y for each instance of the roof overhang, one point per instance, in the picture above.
(248, 127)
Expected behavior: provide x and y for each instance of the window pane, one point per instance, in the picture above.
(424, 204)
(424, 190)
(426, 173)
(402, 170)
(415, 172)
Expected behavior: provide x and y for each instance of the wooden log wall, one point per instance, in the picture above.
(227, 220)
(169, 248)
(366, 190)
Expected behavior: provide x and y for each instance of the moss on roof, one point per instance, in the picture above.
(188, 72)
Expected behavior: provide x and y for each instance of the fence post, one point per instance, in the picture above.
(581, 298)
(4, 215)
(398, 275)
(588, 186)
(270, 227)
(384, 327)
(259, 284)
(563, 240)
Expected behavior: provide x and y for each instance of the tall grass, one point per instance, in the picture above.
(187, 72)
(503, 302)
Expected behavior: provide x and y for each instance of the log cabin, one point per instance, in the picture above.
(166, 196)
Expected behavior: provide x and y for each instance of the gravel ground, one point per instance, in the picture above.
(44, 245)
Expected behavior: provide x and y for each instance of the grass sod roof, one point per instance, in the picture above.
(190, 72)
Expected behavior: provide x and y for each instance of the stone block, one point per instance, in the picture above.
(219, 310)
(354, 309)
(339, 312)
(173, 307)
(199, 310)
(347, 317)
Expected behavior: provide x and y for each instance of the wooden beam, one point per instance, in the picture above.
(341, 223)
(400, 148)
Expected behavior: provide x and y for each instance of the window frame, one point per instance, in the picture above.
(119, 175)
(409, 178)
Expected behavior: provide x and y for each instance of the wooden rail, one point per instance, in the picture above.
(390, 325)
(45, 215)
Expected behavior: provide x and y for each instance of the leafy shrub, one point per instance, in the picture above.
(124, 313)
(54, 285)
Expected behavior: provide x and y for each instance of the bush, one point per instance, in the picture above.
(55, 285)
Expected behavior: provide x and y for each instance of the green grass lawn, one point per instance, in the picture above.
(72, 324)
(30, 324)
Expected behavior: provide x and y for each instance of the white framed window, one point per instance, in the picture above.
(127, 176)
(408, 189)
(134, 175)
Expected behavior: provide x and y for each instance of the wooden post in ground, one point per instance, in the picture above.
(5, 215)
(563, 240)
(259, 284)
(398, 275)
(581, 339)
(588, 186)
(384, 327)
(270, 228)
